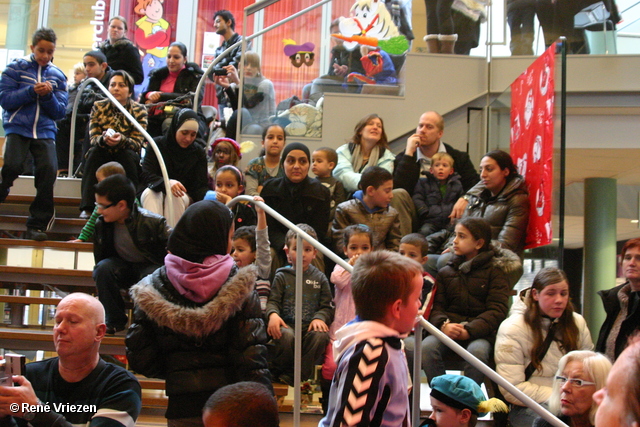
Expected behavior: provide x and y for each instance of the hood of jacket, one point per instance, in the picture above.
(505, 259)
(196, 321)
(198, 282)
(359, 330)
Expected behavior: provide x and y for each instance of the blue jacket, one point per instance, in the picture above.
(432, 206)
(26, 113)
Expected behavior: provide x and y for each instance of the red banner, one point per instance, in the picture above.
(532, 108)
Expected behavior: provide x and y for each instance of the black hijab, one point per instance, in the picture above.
(202, 231)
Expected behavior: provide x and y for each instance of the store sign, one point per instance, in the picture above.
(99, 22)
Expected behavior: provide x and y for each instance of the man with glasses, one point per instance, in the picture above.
(129, 243)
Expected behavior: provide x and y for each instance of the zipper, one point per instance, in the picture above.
(37, 116)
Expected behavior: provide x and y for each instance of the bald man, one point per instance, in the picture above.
(77, 387)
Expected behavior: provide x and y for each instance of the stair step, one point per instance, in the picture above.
(64, 226)
(47, 244)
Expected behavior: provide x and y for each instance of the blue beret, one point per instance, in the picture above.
(458, 392)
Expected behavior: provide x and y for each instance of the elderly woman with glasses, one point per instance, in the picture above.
(580, 374)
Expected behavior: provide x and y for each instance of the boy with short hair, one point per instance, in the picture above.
(458, 401)
(317, 311)
(241, 404)
(323, 162)
(415, 246)
(371, 384)
(250, 244)
(436, 193)
(33, 95)
(370, 206)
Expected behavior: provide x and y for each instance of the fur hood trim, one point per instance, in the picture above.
(505, 259)
(195, 321)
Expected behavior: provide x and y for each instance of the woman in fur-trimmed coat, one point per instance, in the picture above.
(197, 320)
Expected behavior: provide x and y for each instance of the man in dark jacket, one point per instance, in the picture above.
(129, 243)
(415, 160)
(225, 24)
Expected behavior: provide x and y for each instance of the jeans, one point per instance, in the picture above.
(521, 416)
(435, 354)
(17, 147)
(113, 274)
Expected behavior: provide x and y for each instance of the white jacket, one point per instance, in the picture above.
(513, 355)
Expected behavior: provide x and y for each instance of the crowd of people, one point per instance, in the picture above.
(214, 291)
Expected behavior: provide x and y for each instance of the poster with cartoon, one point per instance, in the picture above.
(153, 36)
(531, 141)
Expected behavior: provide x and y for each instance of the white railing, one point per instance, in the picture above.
(133, 121)
(471, 359)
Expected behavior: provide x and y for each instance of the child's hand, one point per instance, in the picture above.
(76, 241)
(223, 198)
(258, 209)
(275, 322)
(318, 325)
(43, 88)
(353, 259)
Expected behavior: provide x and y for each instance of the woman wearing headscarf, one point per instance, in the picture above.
(186, 164)
(297, 197)
(197, 321)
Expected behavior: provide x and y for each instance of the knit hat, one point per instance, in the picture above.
(233, 143)
(294, 146)
(202, 231)
(461, 392)
(97, 54)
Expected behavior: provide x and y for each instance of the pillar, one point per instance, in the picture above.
(600, 214)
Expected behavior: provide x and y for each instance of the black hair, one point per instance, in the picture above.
(128, 80)
(181, 46)
(291, 235)
(355, 229)
(243, 404)
(479, 229)
(46, 34)
(227, 16)
(417, 240)
(248, 233)
(374, 176)
(100, 57)
(504, 161)
(115, 188)
(236, 172)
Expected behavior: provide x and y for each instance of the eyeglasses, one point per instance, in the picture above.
(575, 382)
(103, 207)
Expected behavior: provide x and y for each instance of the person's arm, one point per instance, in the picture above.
(131, 57)
(420, 199)
(251, 180)
(406, 170)
(151, 174)
(96, 125)
(143, 352)
(339, 195)
(199, 185)
(326, 310)
(263, 249)
(55, 103)
(496, 306)
(133, 139)
(340, 221)
(13, 95)
(344, 170)
(514, 231)
(90, 227)
(392, 241)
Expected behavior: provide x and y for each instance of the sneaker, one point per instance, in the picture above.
(84, 215)
(34, 234)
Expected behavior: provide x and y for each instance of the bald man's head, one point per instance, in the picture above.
(79, 326)
(93, 306)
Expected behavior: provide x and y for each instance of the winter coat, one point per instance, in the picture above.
(513, 354)
(614, 300)
(187, 81)
(24, 112)
(123, 55)
(105, 115)
(406, 169)
(431, 206)
(384, 223)
(475, 291)
(148, 231)
(344, 169)
(508, 212)
(307, 202)
(317, 301)
(197, 348)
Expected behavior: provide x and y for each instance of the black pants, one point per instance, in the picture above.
(43, 151)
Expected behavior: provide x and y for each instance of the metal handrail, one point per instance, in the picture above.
(421, 322)
(133, 121)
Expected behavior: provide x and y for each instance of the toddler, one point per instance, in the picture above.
(436, 193)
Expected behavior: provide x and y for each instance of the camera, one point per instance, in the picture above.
(13, 364)
(219, 72)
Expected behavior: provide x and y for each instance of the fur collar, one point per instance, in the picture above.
(196, 321)
(503, 258)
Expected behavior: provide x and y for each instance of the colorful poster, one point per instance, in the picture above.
(531, 146)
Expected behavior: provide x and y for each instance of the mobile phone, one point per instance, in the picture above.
(110, 132)
(219, 72)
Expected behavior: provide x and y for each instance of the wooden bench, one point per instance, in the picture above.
(64, 278)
